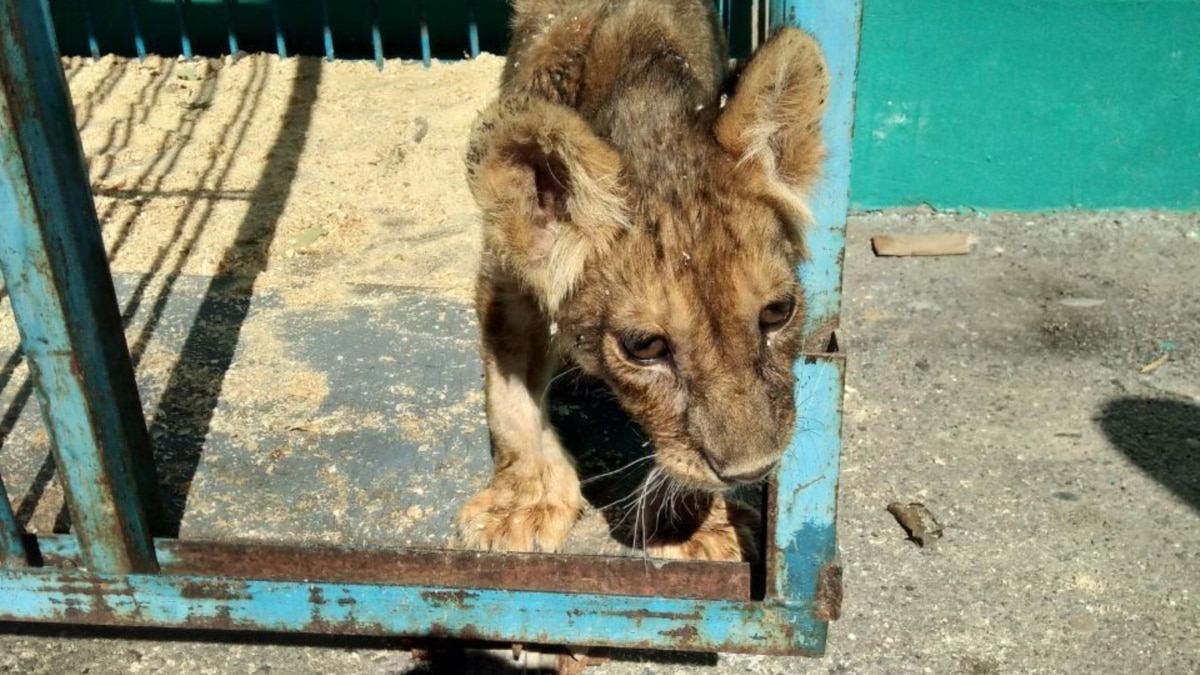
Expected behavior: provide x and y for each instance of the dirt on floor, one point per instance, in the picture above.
(309, 186)
(334, 172)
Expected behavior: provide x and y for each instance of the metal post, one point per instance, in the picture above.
(836, 27)
(54, 265)
(802, 554)
(12, 549)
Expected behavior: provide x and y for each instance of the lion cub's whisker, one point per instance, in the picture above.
(606, 474)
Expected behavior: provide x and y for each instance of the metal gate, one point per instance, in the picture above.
(113, 568)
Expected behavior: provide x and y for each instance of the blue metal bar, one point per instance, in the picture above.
(472, 28)
(327, 30)
(836, 27)
(376, 36)
(50, 23)
(426, 51)
(314, 607)
(12, 549)
(185, 41)
(90, 27)
(802, 568)
(280, 41)
(801, 562)
(229, 26)
(139, 41)
(54, 265)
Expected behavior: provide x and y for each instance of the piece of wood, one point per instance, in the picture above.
(946, 243)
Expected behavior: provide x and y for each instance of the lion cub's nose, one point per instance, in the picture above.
(742, 477)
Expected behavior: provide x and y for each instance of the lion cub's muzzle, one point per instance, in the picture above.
(742, 439)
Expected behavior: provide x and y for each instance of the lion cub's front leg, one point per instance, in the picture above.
(682, 525)
(533, 498)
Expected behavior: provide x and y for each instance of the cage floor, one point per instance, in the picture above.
(293, 246)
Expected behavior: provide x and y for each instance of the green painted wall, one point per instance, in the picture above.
(990, 104)
(1028, 104)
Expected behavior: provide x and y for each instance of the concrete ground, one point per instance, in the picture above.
(1004, 390)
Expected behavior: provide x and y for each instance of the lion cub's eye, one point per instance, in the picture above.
(645, 349)
(776, 314)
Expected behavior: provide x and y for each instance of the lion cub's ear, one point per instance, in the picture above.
(550, 191)
(773, 118)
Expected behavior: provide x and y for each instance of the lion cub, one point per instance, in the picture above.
(644, 224)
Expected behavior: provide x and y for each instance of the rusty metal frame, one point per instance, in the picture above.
(111, 571)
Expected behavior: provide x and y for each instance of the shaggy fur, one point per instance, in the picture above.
(643, 217)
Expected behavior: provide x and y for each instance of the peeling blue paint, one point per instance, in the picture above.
(297, 606)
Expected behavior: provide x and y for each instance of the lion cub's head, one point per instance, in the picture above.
(669, 271)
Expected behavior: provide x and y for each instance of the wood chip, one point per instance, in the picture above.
(1156, 363)
(950, 243)
(917, 520)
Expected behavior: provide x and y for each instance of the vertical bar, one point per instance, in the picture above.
(326, 30)
(836, 27)
(90, 27)
(50, 22)
(229, 27)
(280, 41)
(426, 52)
(139, 41)
(53, 260)
(185, 41)
(802, 567)
(12, 549)
(473, 28)
(754, 29)
(376, 36)
(804, 534)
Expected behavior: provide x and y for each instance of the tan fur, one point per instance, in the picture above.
(621, 199)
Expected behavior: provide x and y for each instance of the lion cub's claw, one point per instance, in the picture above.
(501, 518)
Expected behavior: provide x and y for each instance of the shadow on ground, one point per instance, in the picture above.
(1161, 436)
(389, 654)
(185, 410)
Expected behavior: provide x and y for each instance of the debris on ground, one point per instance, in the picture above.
(917, 521)
(946, 243)
(1165, 348)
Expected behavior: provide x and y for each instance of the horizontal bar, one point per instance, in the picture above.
(165, 601)
(437, 567)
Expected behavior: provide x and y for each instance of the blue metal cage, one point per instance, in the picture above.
(373, 29)
(118, 568)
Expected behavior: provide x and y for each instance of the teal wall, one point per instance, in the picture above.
(1028, 104)
(988, 104)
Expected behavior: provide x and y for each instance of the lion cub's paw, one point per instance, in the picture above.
(726, 535)
(520, 513)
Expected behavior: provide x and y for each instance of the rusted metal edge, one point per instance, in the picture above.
(827, 606)
(602, 575)
(207, 603)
